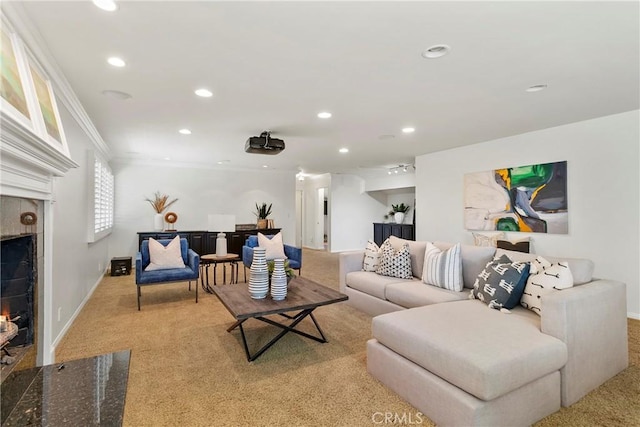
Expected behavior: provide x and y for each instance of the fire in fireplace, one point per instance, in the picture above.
(18, 277)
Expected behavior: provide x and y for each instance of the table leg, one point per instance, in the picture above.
(285, 329)
(224, 273)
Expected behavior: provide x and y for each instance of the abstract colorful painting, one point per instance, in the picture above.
(529, 198)
(11, 88)
(46, 106)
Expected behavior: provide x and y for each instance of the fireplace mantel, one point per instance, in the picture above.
(28, 163)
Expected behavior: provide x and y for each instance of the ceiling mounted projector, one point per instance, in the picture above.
(264, 144)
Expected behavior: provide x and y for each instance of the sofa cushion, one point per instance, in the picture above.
(372, 255)
(545, 278)
(443, 268)
(501, 283)
(520, 245)
(370, 283)
(415, 293)
(417, 252)
(488, 239)
(395, 263)
(581, 268)
(474, 258)
(444, 339)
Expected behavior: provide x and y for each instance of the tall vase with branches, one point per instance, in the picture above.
(160, 202)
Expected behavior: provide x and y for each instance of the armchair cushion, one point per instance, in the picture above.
(189, 271)
(274, 246)
(165, 257)
(292, 253)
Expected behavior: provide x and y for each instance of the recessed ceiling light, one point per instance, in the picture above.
(536, 88)
(116, 94)
(222, 162)
(108, 5)
(344, 150)
(167, 158)
(324, 115)
(204, 93)
(185, 131)
(116, 62)
(436, 51)
(265, 166)
(408, 130)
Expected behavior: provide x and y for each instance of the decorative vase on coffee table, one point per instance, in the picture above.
(259, 274)
(278, 280)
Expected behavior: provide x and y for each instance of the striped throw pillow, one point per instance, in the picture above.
(443, 268)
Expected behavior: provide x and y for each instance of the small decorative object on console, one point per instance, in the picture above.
(171, 218)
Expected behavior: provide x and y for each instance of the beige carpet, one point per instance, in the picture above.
(187, 370)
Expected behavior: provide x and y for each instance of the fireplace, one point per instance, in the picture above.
(18, 280)
(22, 261)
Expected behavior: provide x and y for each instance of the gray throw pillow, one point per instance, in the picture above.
(501, 283)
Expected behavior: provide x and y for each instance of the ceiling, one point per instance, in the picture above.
(275, 65)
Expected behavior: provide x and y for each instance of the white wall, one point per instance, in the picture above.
(352, 213)
(77, 265)
(312, 209)
(200, 192)
(603, 192)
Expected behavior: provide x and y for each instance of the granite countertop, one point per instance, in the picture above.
(84, 392)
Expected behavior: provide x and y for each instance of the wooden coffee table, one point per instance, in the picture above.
(303, 297)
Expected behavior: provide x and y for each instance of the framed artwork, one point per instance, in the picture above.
(530, 198)
(52, 127)
(26, 94)
(13, 92)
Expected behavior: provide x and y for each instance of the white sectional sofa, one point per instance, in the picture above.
(462, 363)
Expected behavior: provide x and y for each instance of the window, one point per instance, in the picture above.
(102, 200)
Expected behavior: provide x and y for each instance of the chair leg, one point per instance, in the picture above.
(196, 289)
(138, 297)
(245, 273)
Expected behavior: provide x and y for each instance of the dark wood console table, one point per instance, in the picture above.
(381, 231)
(204, 242)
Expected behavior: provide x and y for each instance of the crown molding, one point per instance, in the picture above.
(33, 41)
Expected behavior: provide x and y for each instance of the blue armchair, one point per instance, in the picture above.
(294, 255)
(190, 272)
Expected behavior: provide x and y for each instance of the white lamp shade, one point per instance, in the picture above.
(219, 222)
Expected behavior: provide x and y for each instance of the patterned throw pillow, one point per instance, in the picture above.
(443, 268)
(372, 254)
(545, 278)
(395, 263)
(487, 239)
(501, 283)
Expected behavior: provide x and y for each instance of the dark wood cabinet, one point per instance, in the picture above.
(204, 242)
(382, 231)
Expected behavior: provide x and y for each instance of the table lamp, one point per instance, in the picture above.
(221, 223)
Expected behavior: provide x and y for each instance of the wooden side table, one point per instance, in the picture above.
(207, 260)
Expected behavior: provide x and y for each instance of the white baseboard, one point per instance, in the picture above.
(632, 315)
(67, 325)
